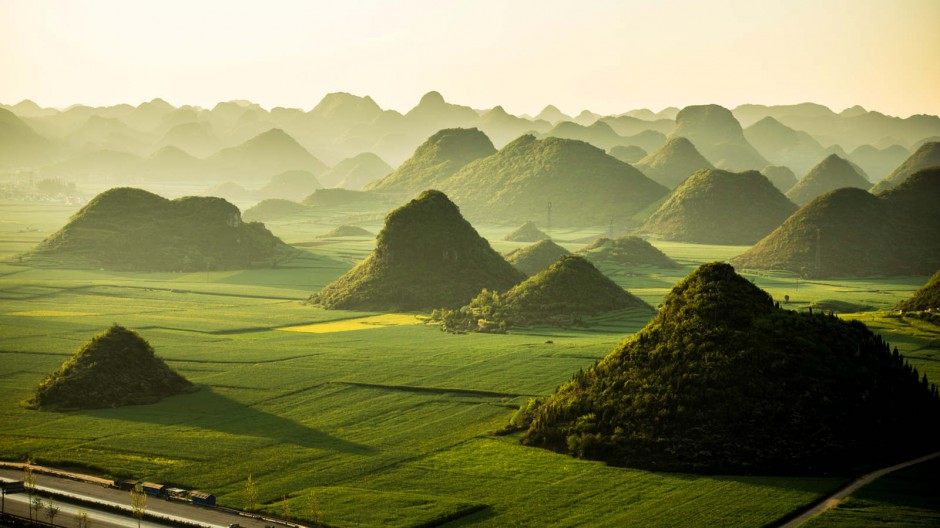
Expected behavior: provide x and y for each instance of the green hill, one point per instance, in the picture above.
(342, 198)
(134, 230)
(878, 163)
(442, 155)
(627, 153)
(273, 209)
(927, 155)
(584, 185)
(427, 256)
(537, 257)
(20, 144)
(598, 134)
(117, 367)
(527, 232)
(718, 207)
(783, 145)
(852, 233)
(722, 381)
(267, 153)
(718, 136)
(356, 172)
(782, 177)
(673, 162)
(828, 175)
(925, 298)
(290, 185)
(346, 231)
(626, 251)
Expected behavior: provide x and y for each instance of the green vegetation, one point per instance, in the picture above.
(626, 251)
(442, 155)
(925, 298)
(718, 207)
(928, 155)
(426, 256)
(561, 295)
(346, 231)
(537, 257)
(627, 153)
(850, 233)
(783, 145)
(718, 136)
(908, 498)
(673, 162)
(341, 198)
(584, 185)
(132, 229)
(828, 175)
(527, 232)
(117, 367)
(782, 177)
(721, 380)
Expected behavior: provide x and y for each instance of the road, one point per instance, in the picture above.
(92, 493)
(839, 496)
(18, 504)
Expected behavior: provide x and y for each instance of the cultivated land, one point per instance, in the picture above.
(387, 425)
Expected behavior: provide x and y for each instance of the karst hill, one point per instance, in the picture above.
(117, 367)
(626, 251)
(828, 175)
(928, 155)
(724, 381)
(537, 257)
(718, 136)
(527, 232)
(427, 256)
(673, 162)
(135, 230)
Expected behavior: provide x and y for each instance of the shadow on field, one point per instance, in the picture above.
(209, 410)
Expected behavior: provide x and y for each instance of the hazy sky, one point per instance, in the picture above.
(607, 56)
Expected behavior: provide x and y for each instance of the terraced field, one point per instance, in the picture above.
(385, 424)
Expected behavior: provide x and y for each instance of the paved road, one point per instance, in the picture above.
(19, 505)
(840, 495)
(208, 517)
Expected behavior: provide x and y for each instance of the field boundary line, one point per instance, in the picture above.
(837, 497)
(431, 390)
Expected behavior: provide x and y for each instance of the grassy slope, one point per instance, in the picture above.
(328, 412)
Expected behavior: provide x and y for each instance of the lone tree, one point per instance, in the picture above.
(82, 520)
(29, 483)
(52, 509)
(138, 502)
(37, 504)
(251, 494)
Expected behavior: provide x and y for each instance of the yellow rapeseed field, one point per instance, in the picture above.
(360, 323)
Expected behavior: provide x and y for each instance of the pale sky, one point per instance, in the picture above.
(604, 55)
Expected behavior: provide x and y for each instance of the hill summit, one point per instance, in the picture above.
(716, 133)
(135, 230)
(527, 232)
(673, 162)
(117, 367)
(537, 257)
(718, 207)
(626, 251)
(928, 155)
(427, 256)
(828, 175)
(722, 380)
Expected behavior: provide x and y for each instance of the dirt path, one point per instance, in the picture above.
(840, 495)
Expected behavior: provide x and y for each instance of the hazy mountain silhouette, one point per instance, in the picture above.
(356, 172)
(928, 155)
(268, 153)
(537, 257)
(627, 153)
(829, 174)
(289, 185)
(273, 209)
(672, 163)
(878, 163)
(553, 115)
(783, 145)
(346, 231)
(20, 144)
(626, 251)
(527, 232)
(718, 136)
(782, 177)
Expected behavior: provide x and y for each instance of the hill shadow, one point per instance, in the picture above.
(209, 410)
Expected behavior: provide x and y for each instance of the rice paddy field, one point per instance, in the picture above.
(379, 419)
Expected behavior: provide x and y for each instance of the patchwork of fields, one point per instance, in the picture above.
(382, 421)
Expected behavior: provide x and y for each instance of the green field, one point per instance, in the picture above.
(384, 426)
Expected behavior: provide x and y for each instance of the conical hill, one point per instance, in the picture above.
(537, 257)
(928, 155)
(626, 251)
(569, 288)
(722, 381)
(427, 256)
(527, 232)
(117, 367)
(673, 162)
(828, 175)
(718, 207)
(926, 298)
(851, 233)
(443, 154)
(134, 230)
(716, 133)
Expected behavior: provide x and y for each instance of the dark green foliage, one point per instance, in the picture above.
(723, 381)
(626, 251)
(718, 207)
(828, 175)
(926, 297)
(132, 229)
(272, 210)
(442, 155)
(584, 185)
(928, 155)
(850, 233)
(627, 153)
(537, 257)
(527, 232)
(117, 367)
(426, 256)
(673, 162)
(346, 231)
